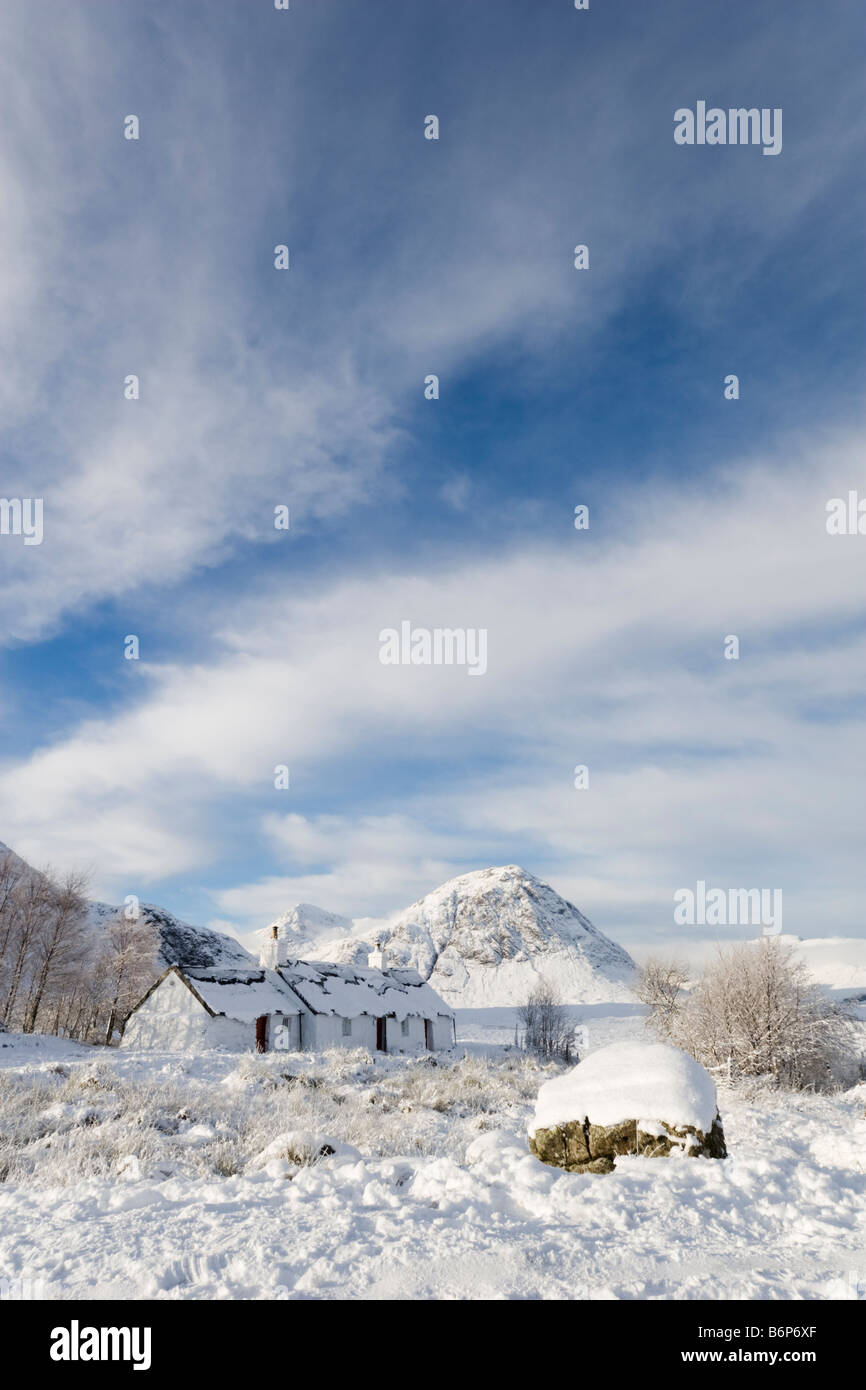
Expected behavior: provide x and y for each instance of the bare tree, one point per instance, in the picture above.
(9, 875)
(660, 985)
(58, 973)
(61, 948)
(548, 1029)
(127, 965)
(757, 1012)
(26, 909)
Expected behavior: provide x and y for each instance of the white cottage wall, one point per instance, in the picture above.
(412, 1040)
(284, 1033)
(443, 1034)
(323, 1031)
(363, 1032)
(173, 1020)
(320, 1031)
(231, 1035)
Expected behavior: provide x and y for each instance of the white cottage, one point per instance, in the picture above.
(294, 1006)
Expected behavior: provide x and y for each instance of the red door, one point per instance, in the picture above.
(381, 1039)
(262, 1033)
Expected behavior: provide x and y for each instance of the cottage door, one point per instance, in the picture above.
(381, 1039)
(262, 1033)
(428, 1033)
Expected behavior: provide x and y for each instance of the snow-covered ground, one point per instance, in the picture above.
(178, 1177)
(598, 1024)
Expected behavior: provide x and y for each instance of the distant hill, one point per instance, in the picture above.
(181, 943)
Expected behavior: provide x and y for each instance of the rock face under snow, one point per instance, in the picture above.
(180, 943)
(630, 1098)
(487, 938)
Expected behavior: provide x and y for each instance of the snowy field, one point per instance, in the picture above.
(167, 1177)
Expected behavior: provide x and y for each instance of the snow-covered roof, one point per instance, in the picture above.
(349, 991)
(242, 994)
(346, 991)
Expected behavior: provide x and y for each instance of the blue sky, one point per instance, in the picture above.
(557, 387)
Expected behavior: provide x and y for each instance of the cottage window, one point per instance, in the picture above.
(404, 1027)
(347, 1028)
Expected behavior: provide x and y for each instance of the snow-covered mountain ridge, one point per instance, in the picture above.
(180, 942)
(484, 938)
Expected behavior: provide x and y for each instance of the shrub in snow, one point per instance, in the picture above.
(756, 1011)
(660, 985)
(629, 1098)
(548, 1028)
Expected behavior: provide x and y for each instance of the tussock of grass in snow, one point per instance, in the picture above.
(64, 1122)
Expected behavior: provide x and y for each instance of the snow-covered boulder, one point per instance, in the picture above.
(629, 1098)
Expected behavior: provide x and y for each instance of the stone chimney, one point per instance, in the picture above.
(376, 958)
(269, 955)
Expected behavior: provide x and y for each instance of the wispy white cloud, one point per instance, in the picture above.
(604, 648)
(140, 257)
(603, 651)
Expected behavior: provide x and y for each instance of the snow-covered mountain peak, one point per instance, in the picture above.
(484, 938)
(305, 922)
(487, 937)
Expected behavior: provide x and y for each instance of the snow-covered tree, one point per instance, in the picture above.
(756, 1011)
(59, 974)
(42, 940)
(61, 948)
(660, 984)
(126, 966)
